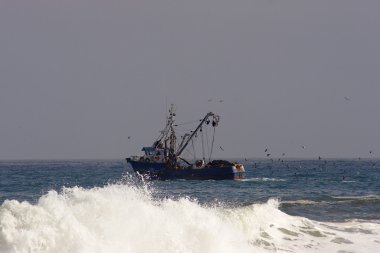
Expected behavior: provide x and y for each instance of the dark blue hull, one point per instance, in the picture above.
(161, 172)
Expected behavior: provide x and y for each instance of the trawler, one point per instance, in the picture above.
(164, 160)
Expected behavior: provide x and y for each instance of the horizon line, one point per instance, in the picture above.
(216, 158)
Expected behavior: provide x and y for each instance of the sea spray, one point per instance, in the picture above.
(126, 218)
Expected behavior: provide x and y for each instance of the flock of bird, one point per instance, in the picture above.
(267, 154)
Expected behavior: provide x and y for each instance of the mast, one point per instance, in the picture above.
(168, 140)
(172, 137)
(184, 143)
(168, 133)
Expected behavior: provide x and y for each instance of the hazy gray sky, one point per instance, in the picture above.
(79, 76)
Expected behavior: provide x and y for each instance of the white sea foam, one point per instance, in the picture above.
(332, 199)
(302, 202)
(263, 179)
(367, 197)
(122, 218)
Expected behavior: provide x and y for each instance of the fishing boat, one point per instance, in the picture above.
(165, 159)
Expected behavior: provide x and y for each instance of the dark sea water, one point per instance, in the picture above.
(99, 206)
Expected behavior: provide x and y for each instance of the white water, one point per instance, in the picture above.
(121, 218)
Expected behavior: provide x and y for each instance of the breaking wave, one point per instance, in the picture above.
(126, 218)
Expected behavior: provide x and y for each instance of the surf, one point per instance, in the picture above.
(125, 217)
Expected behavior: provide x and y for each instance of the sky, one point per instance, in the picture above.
(77, 77)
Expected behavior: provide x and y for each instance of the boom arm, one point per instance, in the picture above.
(185, 143)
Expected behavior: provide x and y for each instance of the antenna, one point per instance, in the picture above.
(166, 106)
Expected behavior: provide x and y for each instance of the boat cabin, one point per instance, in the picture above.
(154, 154)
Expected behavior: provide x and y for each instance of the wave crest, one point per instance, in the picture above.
(125, 218)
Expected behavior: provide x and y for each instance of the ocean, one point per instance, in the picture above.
(101, 206)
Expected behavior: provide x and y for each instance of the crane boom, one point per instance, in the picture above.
(189, 137)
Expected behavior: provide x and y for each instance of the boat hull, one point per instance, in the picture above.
(161, 172)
